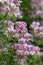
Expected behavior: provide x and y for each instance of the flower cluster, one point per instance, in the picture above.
(38, 30)
(11, 8)
(22, 45)
(15, 40)
(37, 8)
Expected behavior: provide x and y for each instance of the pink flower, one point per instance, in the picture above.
(16, 46)
(36, 49)
(20, 26)
(20, 61)
(5, 8)
(10, 23)
(39, 12)
(35, 24)
(28, 36)
(11, 1)
(21, 53)
(31, 47)
(22, 40)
